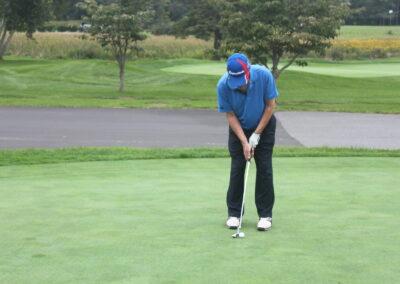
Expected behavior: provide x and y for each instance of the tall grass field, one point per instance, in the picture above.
(75, 45)
(354, 42)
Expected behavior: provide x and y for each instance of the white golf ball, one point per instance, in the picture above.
(241, 235)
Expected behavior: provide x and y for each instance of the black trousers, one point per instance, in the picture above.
(264, 194)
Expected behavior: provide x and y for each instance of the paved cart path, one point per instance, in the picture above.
(29, 127)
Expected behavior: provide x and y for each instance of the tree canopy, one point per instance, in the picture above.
(267, 30)
(118, 26)
(22, 16)
(167, 12)
(375, 12)
(203, 20)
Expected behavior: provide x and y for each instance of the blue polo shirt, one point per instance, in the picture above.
(249, 107)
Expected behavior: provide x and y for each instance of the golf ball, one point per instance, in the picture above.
(241, 235)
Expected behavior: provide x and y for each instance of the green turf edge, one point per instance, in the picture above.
(86, 154)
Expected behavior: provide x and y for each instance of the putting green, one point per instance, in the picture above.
(352, 70)
(152, 221)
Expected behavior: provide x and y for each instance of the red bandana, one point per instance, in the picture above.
(246, 70)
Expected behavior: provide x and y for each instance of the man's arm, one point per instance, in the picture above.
(237, 128)
(268, 111)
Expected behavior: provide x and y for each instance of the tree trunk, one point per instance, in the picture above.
(275, 63)
(275, 72)
(121, 63)
(4, 44)
(3, 34)
(398, 12)
(217, 39)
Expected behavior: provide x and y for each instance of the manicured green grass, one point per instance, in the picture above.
(348, 69)
(369, 32)
(94, 83)
(162, 221)
(86, 154)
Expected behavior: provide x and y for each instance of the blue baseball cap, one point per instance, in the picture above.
(238, 67)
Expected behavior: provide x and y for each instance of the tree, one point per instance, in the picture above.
(66, 10)
(365, 13)
(160, 22)
(373, 12)
(202, 20)
(271, 29)
(118, 26)
(21, 16)
(177, 9)
(61, 9)
(398, 12)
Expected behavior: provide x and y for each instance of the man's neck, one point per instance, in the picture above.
(243, 89)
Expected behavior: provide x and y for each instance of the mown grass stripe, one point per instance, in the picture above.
(93, 83)
(85, 154)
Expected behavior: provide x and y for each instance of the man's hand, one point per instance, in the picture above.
(253, 141)
(248, 151)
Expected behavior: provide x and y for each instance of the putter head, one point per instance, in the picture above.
(238, 235)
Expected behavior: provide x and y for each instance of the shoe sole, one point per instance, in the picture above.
(263, 229)
(232, 227)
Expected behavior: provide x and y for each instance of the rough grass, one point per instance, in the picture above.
(94, 83)
(162, 221)
(85, 154)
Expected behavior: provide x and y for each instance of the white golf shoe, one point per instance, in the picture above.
(232, 223)
(264, 224)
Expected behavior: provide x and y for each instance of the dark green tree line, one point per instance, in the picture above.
(203, 20)
(184, 12)
(375, 12)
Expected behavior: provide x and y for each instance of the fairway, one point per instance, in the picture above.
(162, 221)
(338, 69)
(160, 84)
(369, 32)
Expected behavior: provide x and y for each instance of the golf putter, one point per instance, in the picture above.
(239, 234)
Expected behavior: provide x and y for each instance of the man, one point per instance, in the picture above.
(246, 93)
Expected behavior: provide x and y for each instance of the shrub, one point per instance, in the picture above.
(338, 53)
(363, 49)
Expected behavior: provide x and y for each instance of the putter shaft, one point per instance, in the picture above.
(244, 196)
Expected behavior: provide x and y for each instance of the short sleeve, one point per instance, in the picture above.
(270, 90)
(223, 102)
